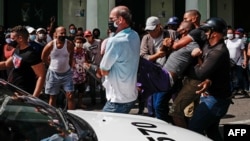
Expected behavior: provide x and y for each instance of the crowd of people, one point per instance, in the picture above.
(207, 65)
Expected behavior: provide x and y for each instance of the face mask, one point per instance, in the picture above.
(244, 39)
(41, 36)
(62, 38)
(237, 36)
(13, 43)
(79, 45)
(72, 31)
(115, 25)
(32, 37)
(230, 36)
(7, 40)
(112, 26)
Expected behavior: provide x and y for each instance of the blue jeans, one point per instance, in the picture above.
(118, 107)
(159, 107)
(207, 116)
(239, 78)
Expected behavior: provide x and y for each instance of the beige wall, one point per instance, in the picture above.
(68, 13)
(159, 6)
(67, 10)
(201, 5)
(96, 14)
(225, 11)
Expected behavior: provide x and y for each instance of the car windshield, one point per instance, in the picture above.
(24, 117)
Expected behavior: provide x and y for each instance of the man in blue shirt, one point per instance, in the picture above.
(119, 64)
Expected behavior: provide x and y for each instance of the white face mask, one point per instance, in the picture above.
(230, 36)
(79, 45)
(41, 36)
(237, 36)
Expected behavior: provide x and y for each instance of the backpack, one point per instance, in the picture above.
(152, 77)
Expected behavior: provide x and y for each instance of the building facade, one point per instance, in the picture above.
(90, 14)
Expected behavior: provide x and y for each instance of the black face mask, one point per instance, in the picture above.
(62, 38)
(111, 26)
(13, 43)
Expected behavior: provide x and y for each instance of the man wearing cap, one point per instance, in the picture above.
(93, 57)
(150, 50)
(32, 38)
(239, 33)
(238, 55)
(171, 26)
(32, 33)
(41, 36)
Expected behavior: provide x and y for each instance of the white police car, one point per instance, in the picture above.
(26, 118)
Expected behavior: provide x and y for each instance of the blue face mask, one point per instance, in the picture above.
(72, 31)
(32, 37)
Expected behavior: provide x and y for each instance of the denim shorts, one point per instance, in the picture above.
(118, 107)
(56, 81)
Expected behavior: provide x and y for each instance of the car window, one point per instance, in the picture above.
(24, 117)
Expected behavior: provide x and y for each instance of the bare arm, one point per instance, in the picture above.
(40, 72)
(46, 52)
(248, 50)
(52, 26)
(103, 72)
(71, 51)
(245, 61)
(204, 85)
(6, 64)
(182, 42)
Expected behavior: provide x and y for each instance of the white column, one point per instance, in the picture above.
(111, 4)
(191, 4)
(91, 14)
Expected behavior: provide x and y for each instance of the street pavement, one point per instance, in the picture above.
(238, 113)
